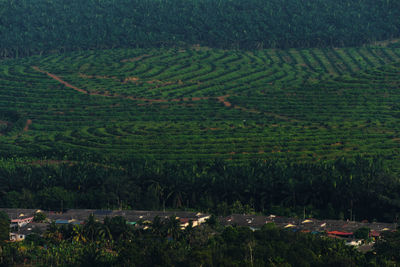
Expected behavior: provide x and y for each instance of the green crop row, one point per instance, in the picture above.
(172, 104)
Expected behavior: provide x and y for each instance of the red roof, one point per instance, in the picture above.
(339, 233)
(22, 220)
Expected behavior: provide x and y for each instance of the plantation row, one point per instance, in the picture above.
(190, 73)
(191, 104)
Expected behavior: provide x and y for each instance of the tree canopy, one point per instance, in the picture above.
(337, 190)
(39, 26)
(4, 226)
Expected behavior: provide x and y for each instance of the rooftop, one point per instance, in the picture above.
(308, 224)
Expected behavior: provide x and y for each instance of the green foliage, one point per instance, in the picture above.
(168, 104)
(389, 246)
(4, 227)
(117, 227)
(91, 228)
(29, 27)
(95, 255)
(39, 217)
(269, 226)
(325, 190)
(55, 198)
(212, 221)
(35, 238)
(362, 233)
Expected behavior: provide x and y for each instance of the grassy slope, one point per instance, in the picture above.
(169, 104)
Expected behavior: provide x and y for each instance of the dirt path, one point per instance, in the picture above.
(28, 123)
(149, 100)
(226, 103)
(85, 76)
(60, 80)
(221, 99)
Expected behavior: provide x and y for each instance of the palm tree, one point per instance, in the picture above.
(158, 227)
(173, 227)
(53, 232)
(79, 235)
(156, 191)
(115, 228)
(104, 230)
(90, 228)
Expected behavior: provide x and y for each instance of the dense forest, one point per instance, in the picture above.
(116, 243)
(359, 189)
(36, 26)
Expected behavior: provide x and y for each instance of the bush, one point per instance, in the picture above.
(362, 233)
(39, 217)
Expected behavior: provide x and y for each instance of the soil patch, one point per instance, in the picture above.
(247, 109)
(28, 123)
(85, 76)
(134, 59)
(223, 100)
(130, 79)
(337, 144)
(280, 117)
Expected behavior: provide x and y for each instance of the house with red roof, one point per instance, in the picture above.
(340, 234)
(21, 222)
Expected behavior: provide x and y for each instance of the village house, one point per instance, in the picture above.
(332, 228)
(15, 237)
(22, 232)
(64, 222)
(20, 222)
(21, 218)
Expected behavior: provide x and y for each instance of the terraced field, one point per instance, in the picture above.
(203, 103)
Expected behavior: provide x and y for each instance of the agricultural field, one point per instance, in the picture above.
(200, 103)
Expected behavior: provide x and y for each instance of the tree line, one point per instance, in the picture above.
(344, 189)
(34, 27)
